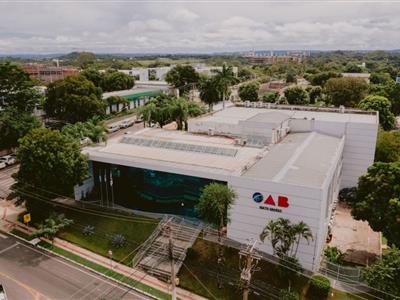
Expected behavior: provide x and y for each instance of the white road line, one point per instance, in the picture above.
(3, 236)
(8, 248)
(99, 277)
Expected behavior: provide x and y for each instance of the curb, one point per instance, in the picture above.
(89, 269)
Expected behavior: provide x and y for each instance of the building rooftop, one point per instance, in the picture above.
(300, 158)
(235, 114)
(172, 148)
(134, 91)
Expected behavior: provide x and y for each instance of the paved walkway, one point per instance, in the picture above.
(10, 222)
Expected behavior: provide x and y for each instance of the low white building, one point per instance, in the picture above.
(287, 162)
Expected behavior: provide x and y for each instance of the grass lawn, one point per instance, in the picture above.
(201, 261)
(135, 231)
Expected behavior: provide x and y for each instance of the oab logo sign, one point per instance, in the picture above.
(271, 203)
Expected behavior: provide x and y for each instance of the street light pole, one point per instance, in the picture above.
(250, 262)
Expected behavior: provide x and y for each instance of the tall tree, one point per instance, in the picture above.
(182, 78)
(93, 75)
(52, 225)
(209, 92)
(225, 78)
(387, 146)
(385, 274)
(213, 207)
(249, 91)
(116, 81)
(49, 160)
(296, 95)
(14, 125)
(17, 90)
(377, 200)
(74, 99)
(383, 106)
(346, 91)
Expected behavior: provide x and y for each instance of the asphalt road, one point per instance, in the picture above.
(28, 273)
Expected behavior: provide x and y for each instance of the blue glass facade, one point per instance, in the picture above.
(150, 190)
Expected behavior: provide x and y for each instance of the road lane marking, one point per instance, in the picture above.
(31, 291)
(8, 248)
(3, 236)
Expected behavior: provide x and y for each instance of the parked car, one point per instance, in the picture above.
(85, 141)
(126, 124)
(113, 128)
(139, 120)
(3, 295)
(2, 165)
(8, 159)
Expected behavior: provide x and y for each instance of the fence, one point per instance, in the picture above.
(341, 273)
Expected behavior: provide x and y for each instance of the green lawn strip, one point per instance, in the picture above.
(106, 271)
(21, 234)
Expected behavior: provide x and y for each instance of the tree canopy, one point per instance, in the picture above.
(346, 91)
(249, 91)
(17, 90)
(322, 77)
(49, 160)
(385, 275)
(113, 80)
(74, 99)
(209, 92)
(182, 77)
(377, 200)
(388, 146)
(14, 125)
(296, 95)
(383, 106)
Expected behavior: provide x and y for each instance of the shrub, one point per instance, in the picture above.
(319, 286)
(288, 295)
(334, 255)
(347, 195)
(88, 230)
(118, 240)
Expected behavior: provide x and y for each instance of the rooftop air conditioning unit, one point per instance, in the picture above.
(260, 104)
(254, 104)
(269, 105)
(341, 109)
(247, 103)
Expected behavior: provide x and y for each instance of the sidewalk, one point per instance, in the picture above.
(10, 222)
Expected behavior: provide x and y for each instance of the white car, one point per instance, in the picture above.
(2, 165)
(112, 128)
(126, 124)
(8, 159)
(3, 295)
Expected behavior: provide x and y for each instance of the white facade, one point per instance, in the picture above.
(298, 175)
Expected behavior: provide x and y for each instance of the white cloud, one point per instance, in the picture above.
(183, 15)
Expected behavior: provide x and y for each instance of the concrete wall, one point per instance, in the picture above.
(248, 220)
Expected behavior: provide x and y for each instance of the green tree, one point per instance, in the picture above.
(387, 146)
(225, 78)
(116, 81)
(93, 75)
(321, 78)
(334, 255)
(85, 59)
(385, 274)
(52, 225)
(380, 78)
(14, 125)
(352, 67)
(346, 91)
(213, 207)
(296, 95)
(94, 128)
(314, 92)
(249, 91)
(49, 160)
(291, 77)
(245, 74)
(183, 78)
(271, 97)
(289, 269)
(377, 200)
(301, 231)
(178, 109)
(74, 99)
(383, 106)
(17, 90)
(150, 113)
(209, 92)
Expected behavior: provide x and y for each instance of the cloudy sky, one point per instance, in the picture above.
(129, 26)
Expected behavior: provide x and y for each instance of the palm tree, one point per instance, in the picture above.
(149, 112)
(302, 230)
(213, 207)
(225, 79)
(179, 111)
(52, 225)
(96, 130)
(210, 92)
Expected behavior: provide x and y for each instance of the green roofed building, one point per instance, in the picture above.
(133, 98)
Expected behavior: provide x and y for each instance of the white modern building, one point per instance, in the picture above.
(285, 161)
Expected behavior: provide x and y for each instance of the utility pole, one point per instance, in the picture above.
(171, 257)
(249, 261)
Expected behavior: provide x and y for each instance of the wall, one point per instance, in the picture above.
(248, 220)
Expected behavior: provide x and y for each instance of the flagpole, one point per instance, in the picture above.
(105, 181)
(101, 189)
(112, 189)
